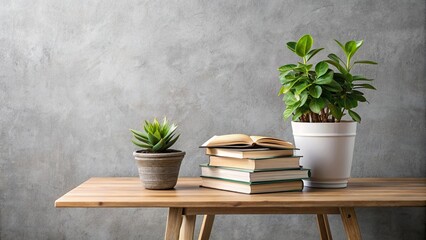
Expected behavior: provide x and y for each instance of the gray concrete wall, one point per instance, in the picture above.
(75, 75)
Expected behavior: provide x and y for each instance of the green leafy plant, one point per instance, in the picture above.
(318, 94)
(348, 98)
(156, 137)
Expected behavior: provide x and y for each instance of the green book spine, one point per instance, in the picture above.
(254, 183)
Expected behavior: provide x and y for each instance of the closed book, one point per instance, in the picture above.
(288, 162)
(249, 152)
(250, 187)
(244, 175)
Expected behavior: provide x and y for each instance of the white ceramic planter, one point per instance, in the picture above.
(327, 149)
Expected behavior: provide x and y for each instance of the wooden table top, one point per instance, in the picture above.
(129, 192)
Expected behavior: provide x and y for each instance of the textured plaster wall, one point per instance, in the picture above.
(75, 75)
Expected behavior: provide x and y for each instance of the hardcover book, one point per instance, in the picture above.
(249, 188)
(251, 176)
(249, 152)
(289, 162)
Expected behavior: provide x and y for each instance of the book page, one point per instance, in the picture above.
(271, 142)
(228, 140)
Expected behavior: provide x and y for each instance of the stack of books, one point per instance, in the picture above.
(252, 164)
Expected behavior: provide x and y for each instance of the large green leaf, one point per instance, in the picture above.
(300, 88)
(325, 79)
(166, 128)
(333, 86)
(303, 98)
(359, 97)
(140, 134)
(289, 77)
(359, 43)
(156, 124)
(348, 77)
(157, 134)
(287, 67)
(297, 114)
(142, 145)
(365, 62)
(315, 91)
(335, 111)
(364, 85)
(336, 58)
(159, 146)
(146, 127)
(169, 144)
(341, 46)
(337, 65)
(303, 68)
(350, 102)
(287, 87)
(170, 133)
(321, 68)
(285, 81)
(288, 112)
(312, 53)
(143, 140)
(350, 48)
(291, 46)
(316, 105)
(354, 116)
(281, 91)
(152, 139)
(360, 78)
(289, 99)
(338, 77)
(304, 45)
(168, 138)
(357, 92)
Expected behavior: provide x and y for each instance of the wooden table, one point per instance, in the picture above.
(188, 200)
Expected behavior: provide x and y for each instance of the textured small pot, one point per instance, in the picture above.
(159, 170)
(327, 149)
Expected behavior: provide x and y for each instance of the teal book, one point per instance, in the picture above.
(253, 176)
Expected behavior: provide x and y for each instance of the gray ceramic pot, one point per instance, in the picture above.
(159, 170)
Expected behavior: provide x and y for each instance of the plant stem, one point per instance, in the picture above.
(315, 117)
(323, 116)
(348, 62)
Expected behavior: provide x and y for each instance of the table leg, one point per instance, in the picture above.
(206, 227)
(174, 222)
(350, 223)
(324, 227)
(188, 226)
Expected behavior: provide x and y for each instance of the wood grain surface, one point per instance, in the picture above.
(129, 192)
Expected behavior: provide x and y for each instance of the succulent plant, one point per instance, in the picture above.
(156, 137)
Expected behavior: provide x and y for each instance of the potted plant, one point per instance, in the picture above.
(317, 98)
(158, 165)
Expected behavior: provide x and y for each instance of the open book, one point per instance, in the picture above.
(245, 141)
